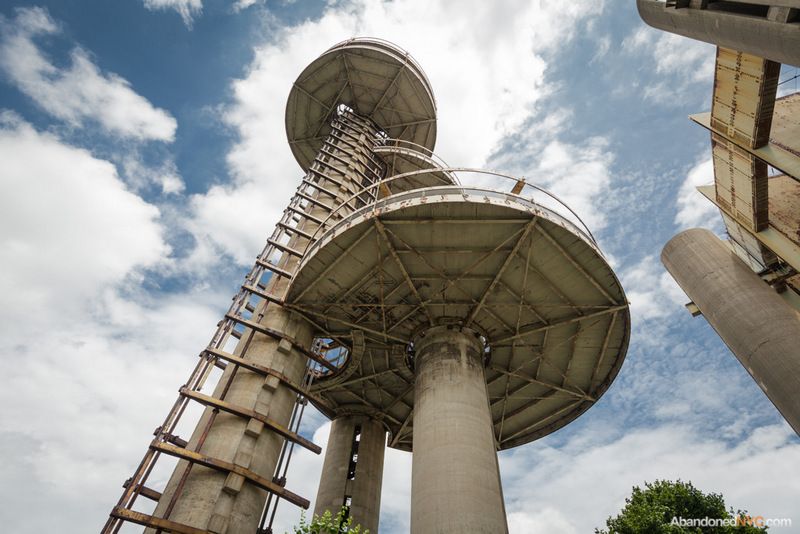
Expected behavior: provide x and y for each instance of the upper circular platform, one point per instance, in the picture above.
(553, 313)
(374, 78)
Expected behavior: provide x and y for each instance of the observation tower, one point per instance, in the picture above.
(414, 311)
(747, 286)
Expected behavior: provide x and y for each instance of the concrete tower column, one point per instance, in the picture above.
(223, 503)
(761, 330)
(352, 472)
(455, 484)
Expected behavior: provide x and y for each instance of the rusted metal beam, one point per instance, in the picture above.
(227, 467)
(246, 413)
(575, 264)
(532, 380)
(342, 255)
(265, 371)
(144, 491)
(562, 322)
(603, 351)
(260, 328)
(403, 270)
(531, 427)
(165, 525)
(525, 233)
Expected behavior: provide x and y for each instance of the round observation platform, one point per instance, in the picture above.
(374, 78)
(529, 281)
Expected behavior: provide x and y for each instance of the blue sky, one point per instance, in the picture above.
(145, 162)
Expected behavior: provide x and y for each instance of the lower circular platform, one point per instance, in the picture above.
(554, 315)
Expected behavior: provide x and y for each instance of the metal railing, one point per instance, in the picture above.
(409, 148)
(565, 215)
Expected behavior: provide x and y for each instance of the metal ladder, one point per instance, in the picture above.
(276, 263)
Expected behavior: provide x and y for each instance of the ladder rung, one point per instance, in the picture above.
(278, 335)
(314, 201)
(293, 230)
(285, 248)
(320, 188)
(274, 268)
(308, 216)
(154, 522)
(144, 491)
(176, 440)
(269, 297)
(227, 467)
(324, 176)
(251, 414)
(265, 371)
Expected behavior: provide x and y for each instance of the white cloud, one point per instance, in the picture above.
(680, 62)
(555, 490)
(239, 5)
(140, 175)
(188, 9)
(95, 362)
(486, 68)
(652, 292)
(85, 393)
(80, 91)
(68, 224)
(577, 173)
(693, 208)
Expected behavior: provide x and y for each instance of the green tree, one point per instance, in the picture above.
(652, 511)
(328, 524)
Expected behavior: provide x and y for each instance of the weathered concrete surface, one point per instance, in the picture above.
(769, 37)
(365, 487)
(226, 504)
(455, 484)
(223, 504)
(761, 330)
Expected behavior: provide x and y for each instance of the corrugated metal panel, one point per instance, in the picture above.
(786, 125)
(784, 206)
(747, 247)
(741, 183)
(744, 98)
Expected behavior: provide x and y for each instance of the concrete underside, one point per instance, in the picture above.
(547, 301)
(762, 331)
(771, 39)
(455, 484)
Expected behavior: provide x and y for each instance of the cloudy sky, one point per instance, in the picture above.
(144, 163)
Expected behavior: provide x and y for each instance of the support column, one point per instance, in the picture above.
(226, 504)
(352, 472)
(455, 484)
(762, 331)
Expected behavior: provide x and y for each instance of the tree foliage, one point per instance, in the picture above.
(328, 524)
(651, 510)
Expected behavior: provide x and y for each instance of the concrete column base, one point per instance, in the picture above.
(455, 484)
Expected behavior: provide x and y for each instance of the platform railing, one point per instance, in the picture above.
(414, 149)
(562, 211)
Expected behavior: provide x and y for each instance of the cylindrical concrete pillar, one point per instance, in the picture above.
(209, 499)
(761, 330)
(455, 482)
(761, 36)
(352, 472)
